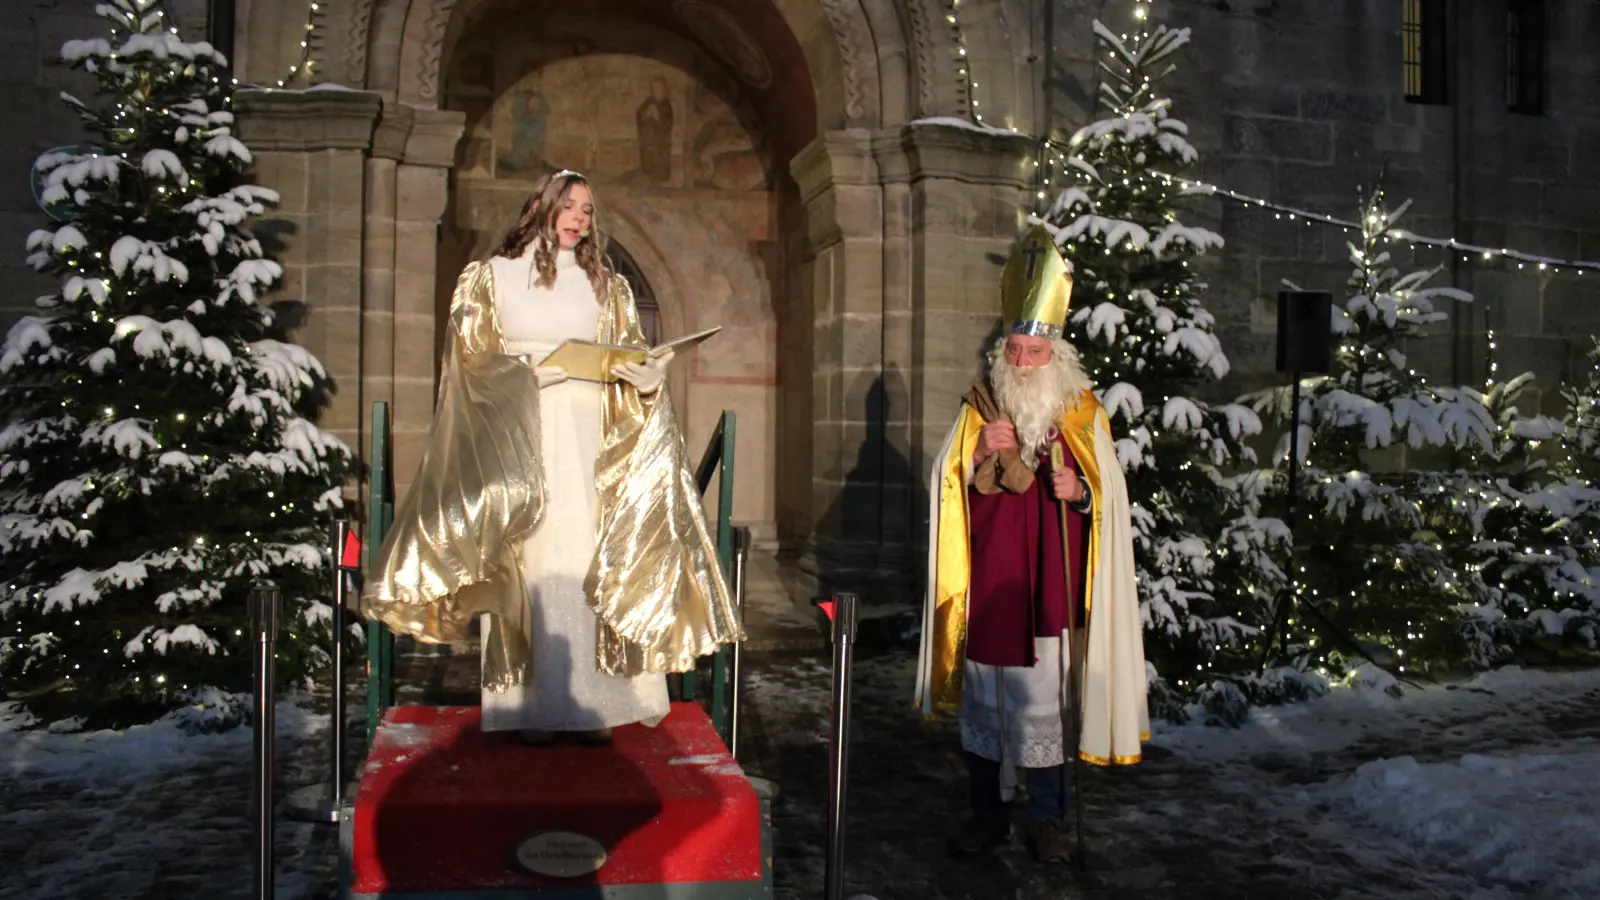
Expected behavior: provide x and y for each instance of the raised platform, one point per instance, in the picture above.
(447, 811)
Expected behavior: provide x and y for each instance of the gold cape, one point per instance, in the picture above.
(1113, 693)
(454, 550)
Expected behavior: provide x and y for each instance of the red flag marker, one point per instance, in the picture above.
(350, 556)
(828, 607)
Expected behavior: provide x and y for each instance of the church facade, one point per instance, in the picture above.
(836, 183)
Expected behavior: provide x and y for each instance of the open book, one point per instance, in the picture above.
(593, 361)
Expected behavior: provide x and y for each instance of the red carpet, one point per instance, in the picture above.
(443, 806)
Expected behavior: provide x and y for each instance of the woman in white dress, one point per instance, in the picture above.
(547, 292)
(560, 513)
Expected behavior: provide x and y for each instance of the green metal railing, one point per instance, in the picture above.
(717, 461)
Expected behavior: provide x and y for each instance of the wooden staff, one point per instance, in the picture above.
(1071, 728)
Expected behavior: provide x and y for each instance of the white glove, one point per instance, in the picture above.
(549, 375)
(646, 376)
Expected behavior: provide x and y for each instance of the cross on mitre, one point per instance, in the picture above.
(1032, 253)
(1035, 288)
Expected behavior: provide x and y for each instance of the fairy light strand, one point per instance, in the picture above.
(963, 62)
(1051, 163)
(302, 66)
(1469, 252)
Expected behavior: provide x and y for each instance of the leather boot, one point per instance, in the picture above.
(1048, 843)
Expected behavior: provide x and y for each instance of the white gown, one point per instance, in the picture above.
(568, 692)
(1022, 727)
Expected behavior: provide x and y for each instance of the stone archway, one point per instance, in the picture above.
(680, 163)
(883, 234)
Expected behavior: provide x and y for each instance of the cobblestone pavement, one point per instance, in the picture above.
(1173, 827)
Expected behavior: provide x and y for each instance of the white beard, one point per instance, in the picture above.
(1035, 397)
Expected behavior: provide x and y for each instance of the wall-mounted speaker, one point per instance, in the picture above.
(1305, 332)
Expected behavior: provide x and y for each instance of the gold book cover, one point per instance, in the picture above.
(593, 361)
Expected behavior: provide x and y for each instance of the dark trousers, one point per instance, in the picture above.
(1046, 794)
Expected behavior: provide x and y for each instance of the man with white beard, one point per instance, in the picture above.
(1016, 616)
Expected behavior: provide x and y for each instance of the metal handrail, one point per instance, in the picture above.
(718, 459)
(712, 455)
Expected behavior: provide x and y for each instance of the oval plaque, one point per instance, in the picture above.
(561, 854)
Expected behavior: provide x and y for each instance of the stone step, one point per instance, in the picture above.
(776, 619)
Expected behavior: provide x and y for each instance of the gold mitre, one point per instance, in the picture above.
(1035, 288)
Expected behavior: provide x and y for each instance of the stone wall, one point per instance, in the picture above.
(1300, 102)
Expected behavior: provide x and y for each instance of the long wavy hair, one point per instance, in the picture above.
(536, 227)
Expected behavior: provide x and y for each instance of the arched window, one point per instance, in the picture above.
(643, 297)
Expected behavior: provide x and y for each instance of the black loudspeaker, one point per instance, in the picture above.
(1305, 332)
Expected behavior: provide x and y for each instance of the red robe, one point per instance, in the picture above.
(1019, 585)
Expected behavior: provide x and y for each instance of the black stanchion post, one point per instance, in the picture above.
(845, 613)
(266, 603)
(764, 788)
(341, 533)
(318, 803)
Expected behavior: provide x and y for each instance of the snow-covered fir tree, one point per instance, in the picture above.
(1582, 420)
(1577, 505)
(159, 454)
(1498, 517)
(1374, 577)
(1205, 565)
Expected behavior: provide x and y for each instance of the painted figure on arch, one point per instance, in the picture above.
(560, 513)
(1027, 601)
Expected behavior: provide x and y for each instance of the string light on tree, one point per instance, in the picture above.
(129, 603)
(1054, 154)
(1121, 231)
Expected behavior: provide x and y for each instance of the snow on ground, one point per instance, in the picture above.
(1471, 790)
(152, 811)
(1524, 820)
(1478, 790)
(1488, 777)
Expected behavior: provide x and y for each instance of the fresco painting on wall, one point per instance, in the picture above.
(727, 154)
(527, 118)
(714, 245)
(613, 118)
(653, 122)
(477, 159)
(692, 172)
